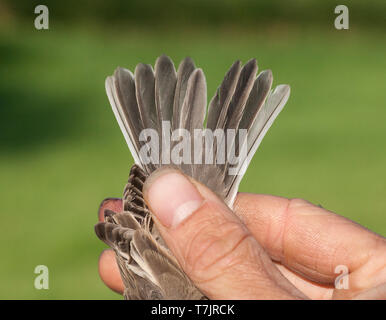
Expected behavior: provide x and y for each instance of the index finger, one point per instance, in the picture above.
(306, 238)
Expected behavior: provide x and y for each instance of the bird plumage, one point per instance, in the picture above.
(146, 100)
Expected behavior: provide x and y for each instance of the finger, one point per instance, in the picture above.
(211, 244)
(311, 289)
(306, 238)
(113, 204)
(376, 293)
(109, 271)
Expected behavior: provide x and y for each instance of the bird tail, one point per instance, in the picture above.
(161, 110)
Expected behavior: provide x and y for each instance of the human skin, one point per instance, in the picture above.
(268, 247)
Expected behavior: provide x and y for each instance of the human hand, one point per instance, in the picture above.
(267, 248)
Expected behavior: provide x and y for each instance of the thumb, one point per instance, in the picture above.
(211, 244)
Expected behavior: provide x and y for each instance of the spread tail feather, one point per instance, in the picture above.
(148, 100)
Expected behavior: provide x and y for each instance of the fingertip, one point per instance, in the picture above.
(114, 204)
(109, 271)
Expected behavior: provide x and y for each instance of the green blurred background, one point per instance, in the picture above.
(62, 153)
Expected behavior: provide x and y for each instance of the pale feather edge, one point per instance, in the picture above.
(257, 143)
(109, 90)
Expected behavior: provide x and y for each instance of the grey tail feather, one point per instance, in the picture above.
(220, 102)
(145, 93)
(241, 94)
(236, 108)
(194, 104)
(165, 86)
(228, 106)
(263, 121)
(120, 90)
(216, 119)
(193, 112)
(185, 69)
(258, 94)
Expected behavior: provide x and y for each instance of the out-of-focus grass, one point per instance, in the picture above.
(61, 151)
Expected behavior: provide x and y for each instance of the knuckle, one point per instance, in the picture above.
(295, 202)
(298, 203)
